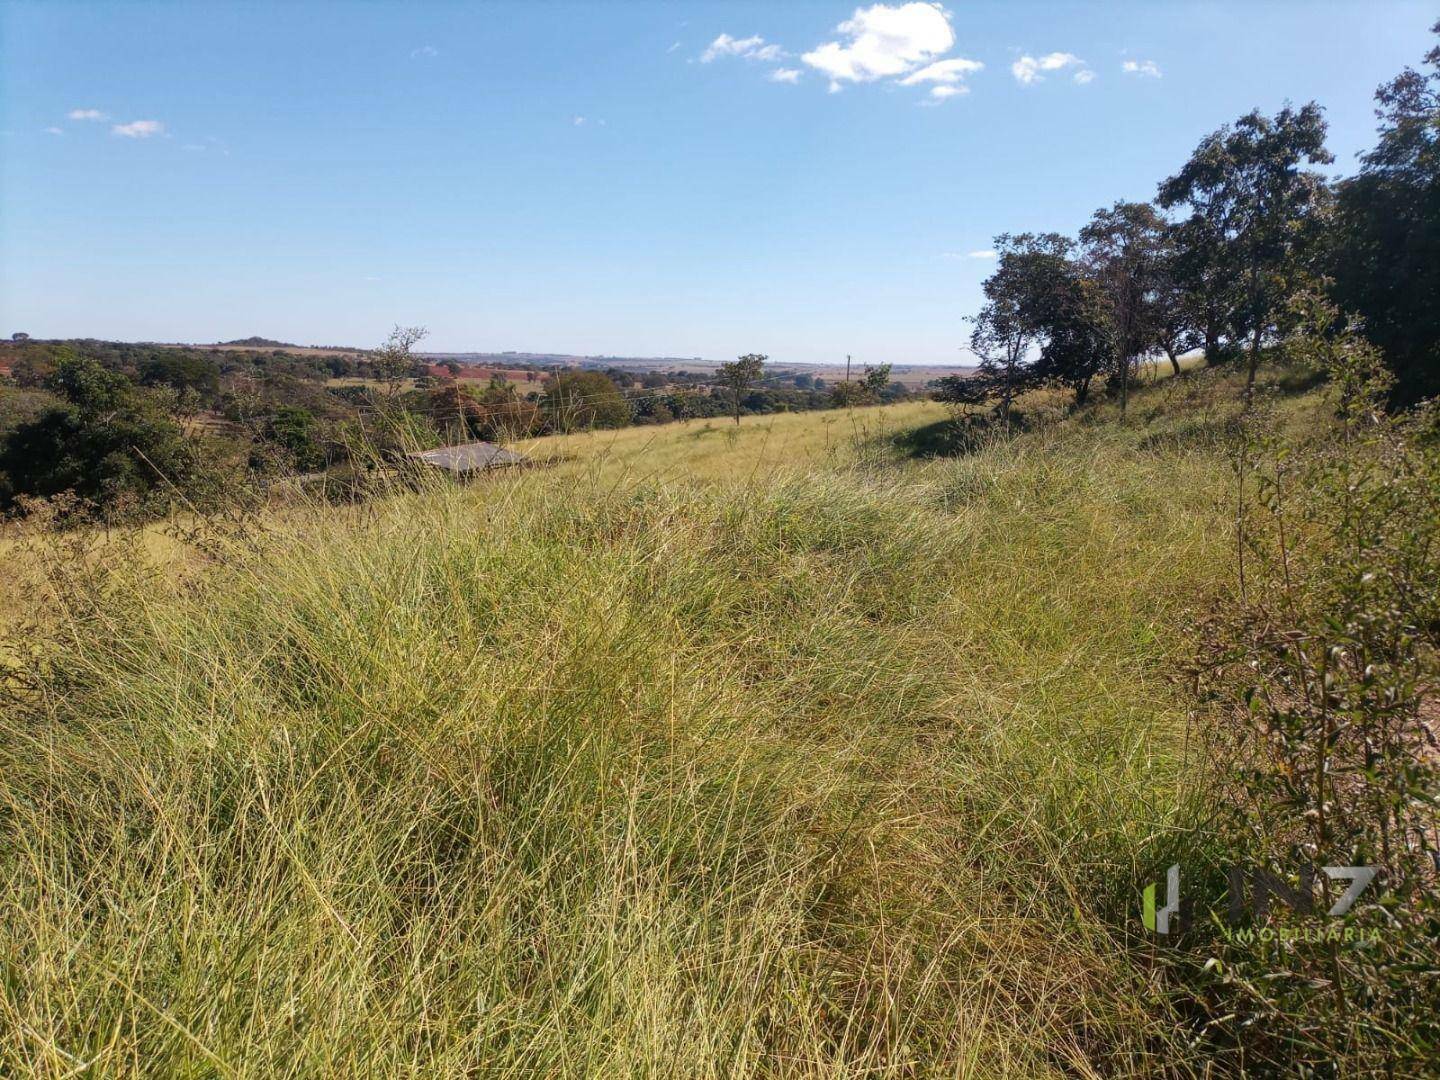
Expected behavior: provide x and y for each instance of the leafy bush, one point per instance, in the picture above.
(1321, 685)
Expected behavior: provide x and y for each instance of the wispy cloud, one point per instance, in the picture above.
(1031, 69)
(948, 77)
(210, 143)
(882, 41)
(982, 253)
(578, 121)
(943, 71)
(1146, 69)
(87, 114)
(54, 131)
(785, 75)
(424, 50)
(138, 129)
(754, 47)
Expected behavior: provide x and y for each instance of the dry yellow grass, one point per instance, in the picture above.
(718, 450)
(703, 752)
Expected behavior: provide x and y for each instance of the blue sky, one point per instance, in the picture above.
(613, 177)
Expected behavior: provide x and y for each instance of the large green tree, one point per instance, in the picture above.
(1124, 252)
(1079, 338)
(1386, 254)
(109, 442)
(1257, 210)
(576, 400)
(1010, 324)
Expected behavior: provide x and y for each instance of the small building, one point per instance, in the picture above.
(467, 459)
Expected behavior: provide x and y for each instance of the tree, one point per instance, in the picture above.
(1256, 210)
(109, 442)
(1079, 336)
(1385, 259)
(1008, 326)
(875, 379)
(1124, 255)
(846, 394)
(576, 399)
(392, 362)
(963, 391)
(182, 371)
(867, 390)
(1202, 269)
(739, 373)
(293, 431)
(1179, 316)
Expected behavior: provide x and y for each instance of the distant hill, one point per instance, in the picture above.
(260, 343)
(544, 359)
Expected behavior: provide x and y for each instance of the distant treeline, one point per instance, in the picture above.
(131, 429)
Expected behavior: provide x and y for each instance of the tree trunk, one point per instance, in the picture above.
(1174, 360)
(1212, 339)
(1255, 333)
(737, 406)
(1005, 400)
(1254, 363)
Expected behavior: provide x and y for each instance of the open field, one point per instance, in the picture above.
(716, 449)
(832, 762)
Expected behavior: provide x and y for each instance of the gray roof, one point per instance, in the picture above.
(469, 457)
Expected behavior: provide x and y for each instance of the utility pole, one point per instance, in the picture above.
(847, 367)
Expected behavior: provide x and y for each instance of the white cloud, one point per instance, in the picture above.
(672, 48)
(54, 131)
(578, 121)
(1084, 75)
(87, 114)
(950, 73)
(424, 50)
(1028, 68)
(785, 75)
(1146, 69)
(138, 129)
(983, 253)
(940, 93)
(750, 48)
(883, 41)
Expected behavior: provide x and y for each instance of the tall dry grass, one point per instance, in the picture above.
(849, 769)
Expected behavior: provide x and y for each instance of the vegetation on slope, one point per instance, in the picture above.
(850, 770)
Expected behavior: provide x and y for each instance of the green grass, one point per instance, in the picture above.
(740, 754)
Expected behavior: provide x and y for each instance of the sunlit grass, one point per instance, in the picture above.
(718, 449)
(831, 763)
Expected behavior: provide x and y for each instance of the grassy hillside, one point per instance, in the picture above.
(834, 763)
